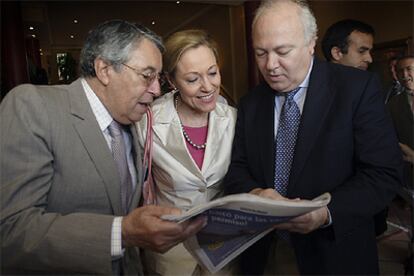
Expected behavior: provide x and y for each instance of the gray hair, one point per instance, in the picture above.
(113, 41)
(306, 15)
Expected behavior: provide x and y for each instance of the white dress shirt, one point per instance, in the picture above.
(104, 119)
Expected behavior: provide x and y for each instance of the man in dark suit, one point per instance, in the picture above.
(349, 42)
(68, 160)
(401, 107)
(344, 145)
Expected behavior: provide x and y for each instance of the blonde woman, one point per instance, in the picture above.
(192, 138)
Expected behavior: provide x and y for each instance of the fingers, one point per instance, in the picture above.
(305, 223)
(267, 193)
(408, 153)
(160, 211)
(144, 228)
(194, 226)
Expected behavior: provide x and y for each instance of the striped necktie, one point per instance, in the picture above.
(120, 157)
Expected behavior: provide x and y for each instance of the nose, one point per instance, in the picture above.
(368, 58)
(206, 85)
(272, 62)
(155, 88)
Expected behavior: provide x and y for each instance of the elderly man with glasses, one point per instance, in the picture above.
(71, 174)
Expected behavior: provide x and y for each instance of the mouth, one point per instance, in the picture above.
(206, 97)
(144, 105)
(275, 77)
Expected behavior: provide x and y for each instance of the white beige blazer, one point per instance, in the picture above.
(178, 180)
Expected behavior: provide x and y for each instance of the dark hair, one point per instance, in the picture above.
(338, 35)
(404, 58)
(112, 41)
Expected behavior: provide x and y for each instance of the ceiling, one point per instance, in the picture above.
(55, 27)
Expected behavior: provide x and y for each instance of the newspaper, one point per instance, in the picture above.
(235, 222)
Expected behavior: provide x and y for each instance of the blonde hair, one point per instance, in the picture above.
(181, 41)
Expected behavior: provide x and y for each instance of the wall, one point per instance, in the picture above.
(392, 20)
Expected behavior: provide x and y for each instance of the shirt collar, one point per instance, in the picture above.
(99, 110)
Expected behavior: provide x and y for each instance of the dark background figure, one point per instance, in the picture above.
(37, 74)
(401, 106)
(402, 111)
(349, 42)
(395, 88)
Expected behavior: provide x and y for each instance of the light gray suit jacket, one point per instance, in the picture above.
(59, 185)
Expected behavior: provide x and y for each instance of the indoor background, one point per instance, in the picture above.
(48, 35)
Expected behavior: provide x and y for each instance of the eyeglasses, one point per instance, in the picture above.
(150, 77)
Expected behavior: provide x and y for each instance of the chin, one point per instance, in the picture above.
(135, 118)
(207, 108)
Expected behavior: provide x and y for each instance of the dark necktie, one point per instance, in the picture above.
(285, 141)
(120, 157)
(285, 146)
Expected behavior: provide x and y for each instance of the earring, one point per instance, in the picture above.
(174, 90)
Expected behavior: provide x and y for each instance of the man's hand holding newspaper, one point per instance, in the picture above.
(235, 222)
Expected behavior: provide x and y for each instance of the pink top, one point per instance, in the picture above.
(199, 136)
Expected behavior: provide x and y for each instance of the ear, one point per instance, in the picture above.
(312, 45)
(171, 82)
(336, 53)
(102, 69)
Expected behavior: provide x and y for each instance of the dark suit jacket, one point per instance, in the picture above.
(345, 146)
(403, 120)
(60, 188)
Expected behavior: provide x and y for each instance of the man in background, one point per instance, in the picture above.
(401, 107)
(395, 86)
(349, 42)
(312, 127)
(71, 173)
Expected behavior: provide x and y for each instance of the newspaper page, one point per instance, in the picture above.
(235, 222)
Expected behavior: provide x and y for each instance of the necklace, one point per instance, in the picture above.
(187, 138)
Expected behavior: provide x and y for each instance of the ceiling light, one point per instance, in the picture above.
(31, 28)
(178, 2)
(72, 36)
(153, 22)
(75, 21)
(33, 35)
(40, 49)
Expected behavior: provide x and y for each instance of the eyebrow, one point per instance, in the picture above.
(151, 68)
(364, 48)
(197, 73)
(281, 47)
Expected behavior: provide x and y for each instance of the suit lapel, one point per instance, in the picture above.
(217, 125)
(405, 111)
(265, 116)
(87, 127)
(317, 104)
